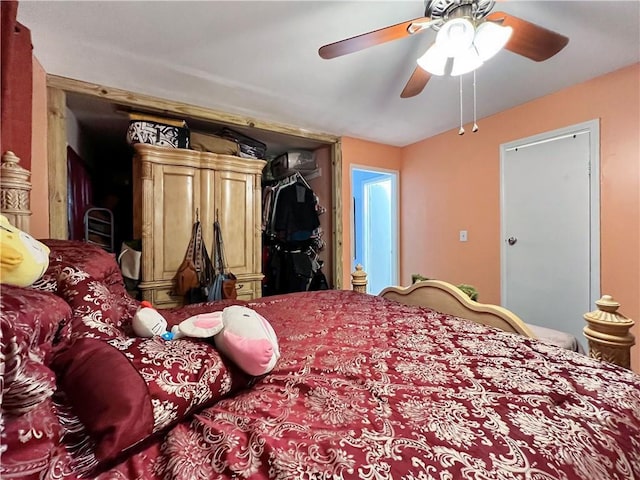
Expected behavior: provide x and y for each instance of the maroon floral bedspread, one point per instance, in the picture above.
(371, 389)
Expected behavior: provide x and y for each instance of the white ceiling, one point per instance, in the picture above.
(259, 58)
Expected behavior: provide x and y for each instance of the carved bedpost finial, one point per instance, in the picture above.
(11, 160)
(15, 188)
(359, 280)
(607, 332)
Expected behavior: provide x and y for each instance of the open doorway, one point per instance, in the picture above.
(375, 225)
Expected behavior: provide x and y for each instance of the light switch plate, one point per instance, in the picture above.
(463, 235)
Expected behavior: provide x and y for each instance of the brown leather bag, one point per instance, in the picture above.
(188, 275)
(229, 287)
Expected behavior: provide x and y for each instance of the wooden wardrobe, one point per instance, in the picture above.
(170, 187)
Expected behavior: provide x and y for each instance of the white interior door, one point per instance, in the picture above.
(380, 233)
(549, 274)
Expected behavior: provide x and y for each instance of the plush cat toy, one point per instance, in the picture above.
(23, 259)
(240, 333)
(148, 322)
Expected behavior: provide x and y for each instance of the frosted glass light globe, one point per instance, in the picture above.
(456, 36)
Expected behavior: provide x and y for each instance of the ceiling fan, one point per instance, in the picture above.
(468, 35)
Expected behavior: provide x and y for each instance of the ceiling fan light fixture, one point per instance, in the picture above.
(434, 60)
(466, 62)
(490, 39)
(456, 36)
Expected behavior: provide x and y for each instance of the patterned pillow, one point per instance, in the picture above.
(33, 317)
(28, 441)
(97, 311)
(29, 321)
(28, 383)
(89, 258)
(124, 389)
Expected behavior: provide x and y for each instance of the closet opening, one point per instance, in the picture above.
(87, 130)
(293, 236)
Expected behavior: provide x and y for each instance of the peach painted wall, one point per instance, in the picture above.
(361, 153)
(39, 223)
(452, 183)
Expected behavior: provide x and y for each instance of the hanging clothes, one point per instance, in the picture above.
(295, 217)
(292, 235)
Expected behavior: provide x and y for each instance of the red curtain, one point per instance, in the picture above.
(16, 87)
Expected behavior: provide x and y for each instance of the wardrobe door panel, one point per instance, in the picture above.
(176, 197)
(235, 200)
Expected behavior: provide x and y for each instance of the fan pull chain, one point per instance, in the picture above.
(461, 131)
(475, 125)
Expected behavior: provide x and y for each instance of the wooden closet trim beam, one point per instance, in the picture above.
(57, 163)
(336, 164)
(130, 99)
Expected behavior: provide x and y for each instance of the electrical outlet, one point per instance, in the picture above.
(463, 235)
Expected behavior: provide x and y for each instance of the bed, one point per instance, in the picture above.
(367, 387)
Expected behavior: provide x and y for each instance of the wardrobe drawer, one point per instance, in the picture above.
(248, 290)
(162, 298)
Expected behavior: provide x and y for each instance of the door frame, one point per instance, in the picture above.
(396, 173)
(593, 128)
(57, 87)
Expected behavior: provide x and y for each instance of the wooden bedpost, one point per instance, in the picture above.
(15, 190)
(359, 280)
(607, 332)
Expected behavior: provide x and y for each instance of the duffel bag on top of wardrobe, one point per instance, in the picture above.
(205, 142)
(249, 147)
(163, 132)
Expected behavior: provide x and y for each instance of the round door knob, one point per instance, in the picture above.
(512, 240)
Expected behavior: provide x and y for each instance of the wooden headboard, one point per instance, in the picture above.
(607, 331)
(446, 298)
(15, 191)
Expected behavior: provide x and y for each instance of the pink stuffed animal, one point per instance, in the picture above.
(240, 333)
(248, 339)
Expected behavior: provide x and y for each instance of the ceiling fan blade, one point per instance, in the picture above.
(370, 39)
(528, 39)
(416, 83)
